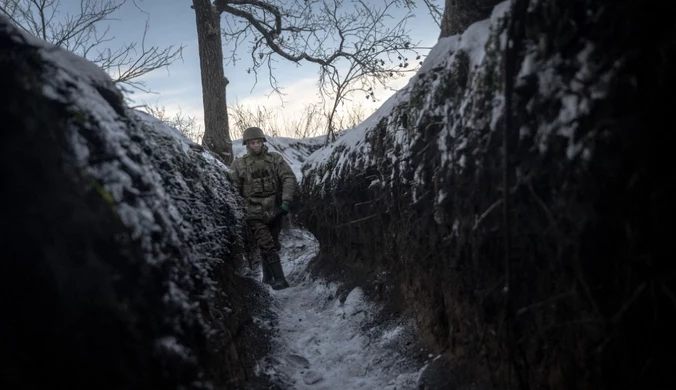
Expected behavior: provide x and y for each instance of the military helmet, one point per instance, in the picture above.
(252, 133)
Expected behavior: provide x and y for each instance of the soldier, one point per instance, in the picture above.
(267, 184)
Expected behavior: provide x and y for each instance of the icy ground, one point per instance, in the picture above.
(324, 337)
(323, 341)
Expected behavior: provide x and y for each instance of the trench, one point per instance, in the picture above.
(327, 337)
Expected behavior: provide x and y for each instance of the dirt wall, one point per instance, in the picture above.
(546, 265)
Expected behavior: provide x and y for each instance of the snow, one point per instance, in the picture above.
(576, 96)
(471, 40)
(352, 149)
(172, 346)
(325, 338)
(77, 67)
(320, 340)
(440, 52)
(323, 342)
(165, 130)
(153, 181)
(466, 117)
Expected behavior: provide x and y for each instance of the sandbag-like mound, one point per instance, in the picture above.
(545, 266)
(118, 239)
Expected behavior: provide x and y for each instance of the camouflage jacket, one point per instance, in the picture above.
(264, 181)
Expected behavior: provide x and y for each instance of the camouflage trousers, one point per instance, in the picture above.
(265, 236)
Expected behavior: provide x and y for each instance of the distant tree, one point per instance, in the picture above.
(310, 121)
(180, 121)
(350, 118)
(247, 116)
(354, 43)
(86, 34)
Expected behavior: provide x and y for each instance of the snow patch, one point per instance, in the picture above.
(325, 343)
(352, 151)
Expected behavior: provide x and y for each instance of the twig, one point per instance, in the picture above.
(356, 220)
(485, 213)
(543, 205)
(669, 293)
(547, 301)
(617, 317)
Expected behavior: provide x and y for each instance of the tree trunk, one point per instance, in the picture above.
(216, 129)
(460, 14)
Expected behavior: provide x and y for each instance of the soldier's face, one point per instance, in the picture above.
(255, 145)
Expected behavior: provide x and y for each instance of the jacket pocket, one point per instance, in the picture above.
(270, 184)
(256, 186)
(262, 208)
(254, 211)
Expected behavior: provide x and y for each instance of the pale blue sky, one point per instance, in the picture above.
(172, 22)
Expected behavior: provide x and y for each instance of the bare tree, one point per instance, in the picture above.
(180, 121)
(309, 124)
(436, 11)
(244, 116)
(216, 128)
(86, 34)
(355, 44)
(311, 121)
(370, 63)
(350, 118)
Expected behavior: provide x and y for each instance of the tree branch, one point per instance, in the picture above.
(356, 45)
(270, 36)
(78, 33)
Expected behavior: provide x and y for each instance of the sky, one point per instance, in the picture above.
(178, 87)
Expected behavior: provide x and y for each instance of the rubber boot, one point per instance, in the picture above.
(280, 281)
(267, 273)
(277, 272)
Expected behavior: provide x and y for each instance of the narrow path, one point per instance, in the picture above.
(323, 343)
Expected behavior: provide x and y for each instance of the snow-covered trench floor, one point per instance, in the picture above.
(324, 341)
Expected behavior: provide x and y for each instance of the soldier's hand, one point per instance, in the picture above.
(285, 208)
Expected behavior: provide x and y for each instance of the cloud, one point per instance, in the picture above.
(305, 91)
(294, 96)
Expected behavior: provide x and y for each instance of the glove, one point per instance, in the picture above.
(284, 208)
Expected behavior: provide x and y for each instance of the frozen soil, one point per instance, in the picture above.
(328, 334)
